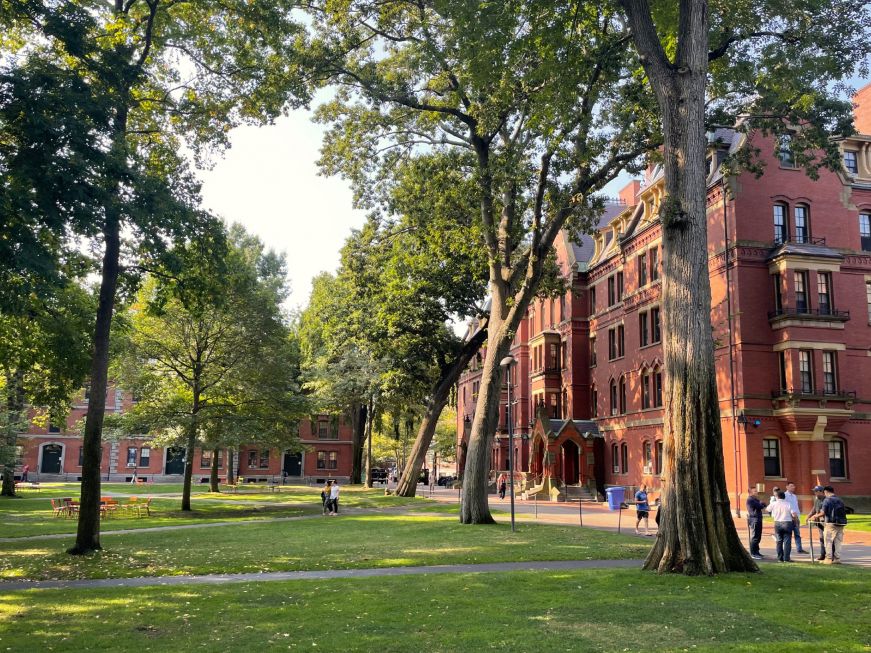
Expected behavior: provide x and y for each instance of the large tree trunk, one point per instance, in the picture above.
(359, 438)
(88, 533)
(367, 434)
(231, 466)
(213, 474)
(14, 411)
(189, 449)
(450, 374)
(696, 533)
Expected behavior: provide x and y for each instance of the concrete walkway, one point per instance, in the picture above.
(219, 579)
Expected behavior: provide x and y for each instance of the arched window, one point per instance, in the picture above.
(647, 456)
(802, 224)
(622, 395)
(615, 461)
(657, 387)
(613, 393)
(837, 458)
(659, 457)
(645, 389)
(624, 458)
(781, 229)
(594, 402)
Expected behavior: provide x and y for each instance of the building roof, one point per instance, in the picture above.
(586, 427)
(805, 249)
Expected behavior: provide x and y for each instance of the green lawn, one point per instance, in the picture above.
(859, 523)
(796, 609)
(31, 515)
(346, 541)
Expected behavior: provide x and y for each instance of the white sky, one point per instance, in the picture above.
(268, 181)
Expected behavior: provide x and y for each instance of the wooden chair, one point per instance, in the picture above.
(146, 506)
(58, 508)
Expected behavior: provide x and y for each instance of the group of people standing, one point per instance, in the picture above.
(330, 497)
(828, 513)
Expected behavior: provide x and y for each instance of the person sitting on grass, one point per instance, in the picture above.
(642, 509)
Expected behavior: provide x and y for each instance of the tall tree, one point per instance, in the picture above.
(209, 353)
(778, 63)
(536, 100)
(158, 71)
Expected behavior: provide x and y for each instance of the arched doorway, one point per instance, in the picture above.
(52, 454)
(569, 453)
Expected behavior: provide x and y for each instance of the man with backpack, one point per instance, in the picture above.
(835, 514)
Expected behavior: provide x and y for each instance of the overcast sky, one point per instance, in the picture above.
(268, 181)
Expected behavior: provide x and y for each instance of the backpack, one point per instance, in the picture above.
(839, 511)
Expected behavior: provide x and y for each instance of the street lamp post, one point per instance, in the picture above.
(507, 362)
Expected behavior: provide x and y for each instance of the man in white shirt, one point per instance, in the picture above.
(334, 498)
(784, 518)
(796, 525)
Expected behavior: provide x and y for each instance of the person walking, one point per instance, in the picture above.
(334, 498)
(325, 496)
(792, 499)
(754, 521)
(835, 514)
(502, 487)
(24, 472)
(783, 519)
(817, 508)
(642, 510)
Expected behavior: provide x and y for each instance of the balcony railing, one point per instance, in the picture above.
(795, 393)
(796, 241)
(547, 370)
(809, 313)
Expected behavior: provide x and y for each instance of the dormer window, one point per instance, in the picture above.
(784, 151)
(851, 163)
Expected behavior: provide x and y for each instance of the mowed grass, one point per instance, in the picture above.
(800, 610)
(32, 515)
(344, 542)
(859, 523)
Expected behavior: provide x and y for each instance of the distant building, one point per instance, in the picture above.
(55, 452)
(790, 269)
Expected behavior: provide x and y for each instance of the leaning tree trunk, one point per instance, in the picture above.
(14, 410)
(213, 473)
(449, 376)
(88, 533)
(696, 533)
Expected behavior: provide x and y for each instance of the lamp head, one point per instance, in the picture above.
(508, 361)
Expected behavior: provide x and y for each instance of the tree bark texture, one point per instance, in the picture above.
(14, 413)
(697, 534)
(189, 449)
(88, 533)
(441, 394)
(358, 439)
(213, 473)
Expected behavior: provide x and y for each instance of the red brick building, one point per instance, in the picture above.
(790, 269)
(55, 452)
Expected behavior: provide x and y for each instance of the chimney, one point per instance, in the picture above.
(862, 110)
(630, 192)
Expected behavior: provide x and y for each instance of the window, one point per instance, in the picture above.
(782, 360)
(81, 455)
(647, 453)
(619, 286)
(594, 402)
(206, 458)
(657, 388)
(784, 151)
(645, 390)
(802, 225)
(778, 295)
(612, 293)
(824, 292)
(654, 264)
(613, 393)
(264, 459)
(624, 458)
(53, 428)
(642, 270)
(659, 451)
(593, 351)
(131, 456)
(323, 430)
(562, 308)
(328, 460)
(642, 328)
(252, 459)
(865, 231)
(850, 163)
(145, 457)
(771, 456)
(592, 299)
(830, 382)
(806, 371)
(612, 344)
(564, 349)
(780, 229)
(622, 395)
(801, 291)
(655, 332)
(553, 362)
(621, 342)
(868, 298)
(554, 406)
(837, 458)
(615, 460)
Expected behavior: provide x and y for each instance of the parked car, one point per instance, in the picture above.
(379, 475)
(446, 481)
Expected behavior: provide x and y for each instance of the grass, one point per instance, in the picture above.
(783, 609)
(31, 515)
(859, 523)
(344, 542)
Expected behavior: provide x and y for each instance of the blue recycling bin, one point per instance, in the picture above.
(615, 496)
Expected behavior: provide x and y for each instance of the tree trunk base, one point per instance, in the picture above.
(80, 550)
